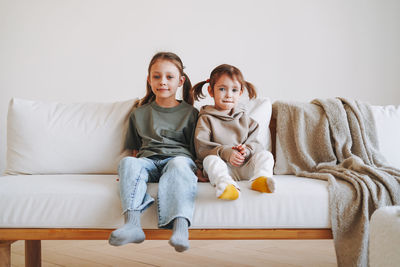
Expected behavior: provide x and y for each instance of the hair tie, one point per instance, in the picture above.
(208, 80)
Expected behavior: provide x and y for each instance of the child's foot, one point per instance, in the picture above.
(227, 191)
(180, 236)
(263, 184)
(131, 232)
(126, 234)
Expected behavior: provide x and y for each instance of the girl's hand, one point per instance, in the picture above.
(236, 159)
(241, 148)
(200, 176)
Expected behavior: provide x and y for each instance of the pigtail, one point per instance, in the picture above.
(149, 97)
(198, 91)
(251, 89)
(137, 103)
(187, 93)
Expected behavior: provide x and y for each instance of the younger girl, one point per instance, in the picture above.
(160, 136)
(226, 137)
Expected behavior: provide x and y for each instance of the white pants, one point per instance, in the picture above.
(219, 171)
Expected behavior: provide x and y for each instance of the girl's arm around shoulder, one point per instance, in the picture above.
(200, 176)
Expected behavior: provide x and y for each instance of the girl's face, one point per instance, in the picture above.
(226, 93)
(164, 79)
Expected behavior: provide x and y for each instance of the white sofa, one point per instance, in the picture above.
(384, 237)
(61, 181)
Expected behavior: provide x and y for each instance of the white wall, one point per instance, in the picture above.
(98, 50)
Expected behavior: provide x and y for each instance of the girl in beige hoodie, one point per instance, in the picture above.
(226, 138)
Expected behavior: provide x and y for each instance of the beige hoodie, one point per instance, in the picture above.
(216, 133)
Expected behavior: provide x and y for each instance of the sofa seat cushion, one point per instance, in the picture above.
(92, 201)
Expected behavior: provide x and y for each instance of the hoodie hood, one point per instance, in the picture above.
(236, 113)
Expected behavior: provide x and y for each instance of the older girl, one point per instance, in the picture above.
(160, 136)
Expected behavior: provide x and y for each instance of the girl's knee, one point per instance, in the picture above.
(181, 162)
(183, 167)
(127, 161)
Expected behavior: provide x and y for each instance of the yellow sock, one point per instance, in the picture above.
(260, 184)
(230, 193)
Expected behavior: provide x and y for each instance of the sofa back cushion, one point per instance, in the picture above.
(60, 138)
(260, 110)
(387, 120)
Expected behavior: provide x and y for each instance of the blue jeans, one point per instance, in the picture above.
(177, 186)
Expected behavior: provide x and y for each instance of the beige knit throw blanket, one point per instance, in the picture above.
(335, 140)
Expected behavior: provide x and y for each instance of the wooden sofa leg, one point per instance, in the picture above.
(33, 253)
(5, 253)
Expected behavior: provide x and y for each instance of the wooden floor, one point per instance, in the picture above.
(201, 253)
